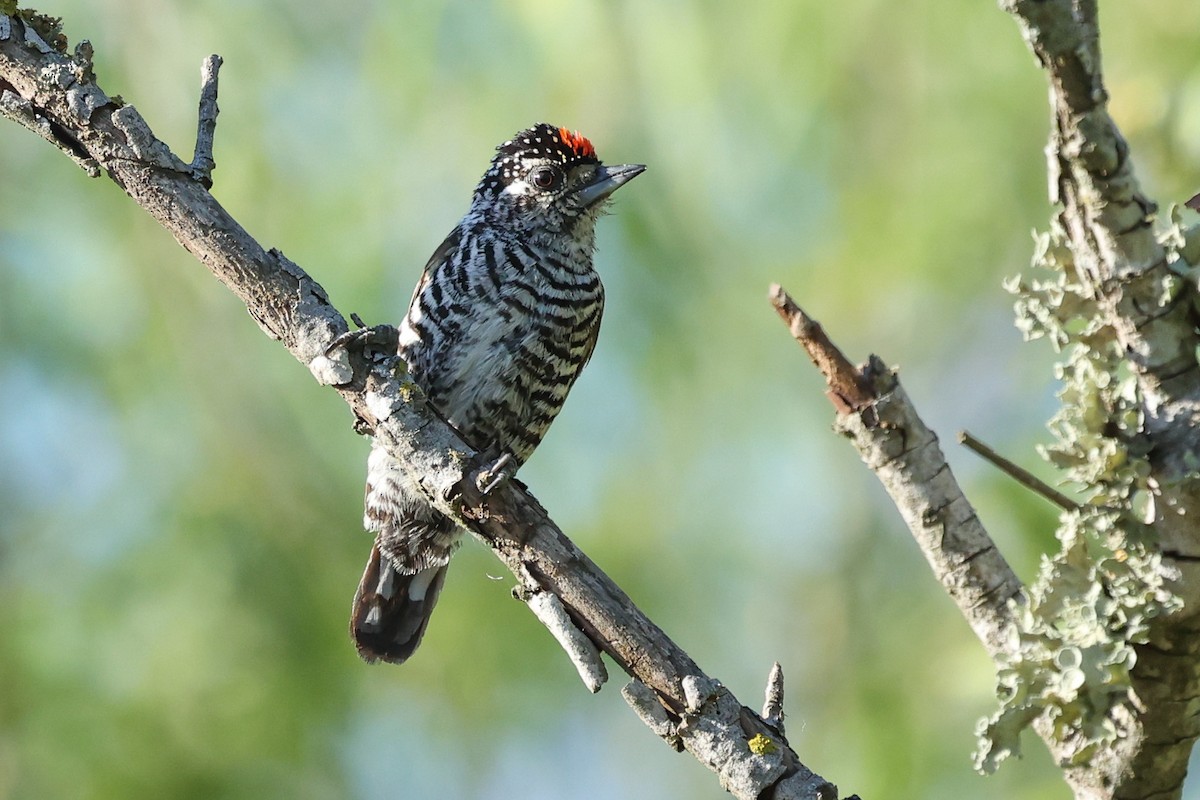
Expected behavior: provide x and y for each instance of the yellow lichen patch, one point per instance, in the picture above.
(761, 745)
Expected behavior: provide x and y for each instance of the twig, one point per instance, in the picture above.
(847, 388)
(772, 712)
(579, 648)
(645, 703)
(1017, 473)
(203, 163)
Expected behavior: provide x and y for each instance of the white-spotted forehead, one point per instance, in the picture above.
(542, 144)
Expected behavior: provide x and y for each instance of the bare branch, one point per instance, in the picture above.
(292, 308)
(904, 455)
(847, 391)
(579, 648)
(22, 112)
(642, 699)
(202, 162)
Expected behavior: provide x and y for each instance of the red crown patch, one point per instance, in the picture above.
(577, 142)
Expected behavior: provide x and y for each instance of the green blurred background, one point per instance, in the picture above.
(180, 527)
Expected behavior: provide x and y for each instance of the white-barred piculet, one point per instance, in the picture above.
(501, 323)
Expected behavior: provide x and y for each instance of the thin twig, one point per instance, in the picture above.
(1019, 474)
(202, 162)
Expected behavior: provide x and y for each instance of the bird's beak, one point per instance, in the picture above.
(607, 181)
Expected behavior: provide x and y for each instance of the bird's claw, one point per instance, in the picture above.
(494, 475)
(377, 338)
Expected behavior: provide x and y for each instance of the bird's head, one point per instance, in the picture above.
(549, 179)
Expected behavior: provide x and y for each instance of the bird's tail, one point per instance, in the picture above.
(392, 608)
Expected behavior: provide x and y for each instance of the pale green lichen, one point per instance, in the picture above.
(1072, 646)
(1183, 252)
(1073, 642)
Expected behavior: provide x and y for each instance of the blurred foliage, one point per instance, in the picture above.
(180, 532)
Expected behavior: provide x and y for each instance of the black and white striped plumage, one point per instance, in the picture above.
(499, 327)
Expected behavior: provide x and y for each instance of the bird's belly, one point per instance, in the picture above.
(501, 383)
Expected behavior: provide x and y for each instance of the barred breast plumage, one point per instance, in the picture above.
(503, 320)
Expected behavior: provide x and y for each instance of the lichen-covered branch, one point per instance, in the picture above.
(1119, 299)
(1136, 275)
(1064, 650)
(56, 94)
(1100, 655)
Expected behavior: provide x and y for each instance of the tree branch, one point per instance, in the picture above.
(773, 698)
(1135, 282)
(1109, 222)
(682, 704)
(905, 456)
(1153, 313)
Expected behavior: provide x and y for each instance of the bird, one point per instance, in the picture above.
(503, 319)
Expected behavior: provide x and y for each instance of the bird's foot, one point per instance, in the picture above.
(381, 339)
(495, 474)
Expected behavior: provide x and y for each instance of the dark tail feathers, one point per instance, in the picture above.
(391, 609)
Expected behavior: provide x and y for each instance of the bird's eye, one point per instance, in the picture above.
(545, 177)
